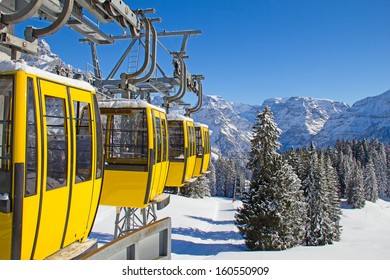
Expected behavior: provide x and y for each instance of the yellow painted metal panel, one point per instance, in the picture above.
(5, 235)
(124, 188)
(52, 222)
(198, 166)
(175, 174)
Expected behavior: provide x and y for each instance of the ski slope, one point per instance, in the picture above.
(204, 229)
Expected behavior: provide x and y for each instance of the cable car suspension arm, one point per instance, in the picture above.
(32, 33)
(23, 14)
(198, 89)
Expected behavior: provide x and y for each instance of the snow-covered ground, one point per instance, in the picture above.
(204, 229)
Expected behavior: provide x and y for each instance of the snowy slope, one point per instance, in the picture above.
(204, 229)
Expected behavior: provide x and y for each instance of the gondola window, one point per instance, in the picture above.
(6, 94)
(57, 143)
(83, 128)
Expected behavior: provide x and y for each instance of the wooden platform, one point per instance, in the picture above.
(75, 250)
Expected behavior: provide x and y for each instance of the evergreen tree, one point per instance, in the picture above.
(212, 179)
(197, 189)
(370, 182)
(333, 200)
(313, 186)
(355, 191)
(293, 210)
(221, 176)
(378, 155)
(387, 189)
(266, 219)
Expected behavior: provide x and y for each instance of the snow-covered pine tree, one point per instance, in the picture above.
(226, 174)
(293, 206)
(387, 190)
(266, 219)
(314, 190)
(212, 179)
(355, 191)
(378, 155)
(370, 182)
(231, 179)
(220, 175)
(197, 189)
(333, 206)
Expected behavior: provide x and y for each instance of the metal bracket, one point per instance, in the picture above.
(15, 43)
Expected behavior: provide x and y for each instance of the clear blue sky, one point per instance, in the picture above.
(253, 50)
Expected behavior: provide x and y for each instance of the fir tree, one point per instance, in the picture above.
(333, 200)
(370, 182)
(270, 218)
(212, 179)
(355, 191)
(313, 186)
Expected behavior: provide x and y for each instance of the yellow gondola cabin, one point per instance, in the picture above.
(202, 149)
(136, 152)
(51, 161)
(182, 149)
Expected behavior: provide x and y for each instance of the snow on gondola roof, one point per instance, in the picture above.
(12, 66)
(176, 116)
(201, 124)
(127, 103)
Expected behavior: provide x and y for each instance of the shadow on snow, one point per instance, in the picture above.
(204, 235)
(211, 221)
(183, 247)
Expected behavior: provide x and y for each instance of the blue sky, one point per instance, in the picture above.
(253, 50)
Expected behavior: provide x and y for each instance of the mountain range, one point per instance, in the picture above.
(301, 119)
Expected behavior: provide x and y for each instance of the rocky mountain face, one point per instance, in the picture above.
(299, 118)
(367, 118)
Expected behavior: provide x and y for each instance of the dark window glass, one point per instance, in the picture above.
(57, 143)
(83, 128)
(99, 141)
(164, 139)
(127, 136)
(6, 95)
(191, 140)
(176, 140)
(31, 152)
(199, 148)
(158, 139)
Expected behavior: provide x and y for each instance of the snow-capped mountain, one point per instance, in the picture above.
(367, 118)
(231, 127)
(301, 119)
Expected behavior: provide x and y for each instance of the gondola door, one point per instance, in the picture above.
(82, 204)
(55, 187)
